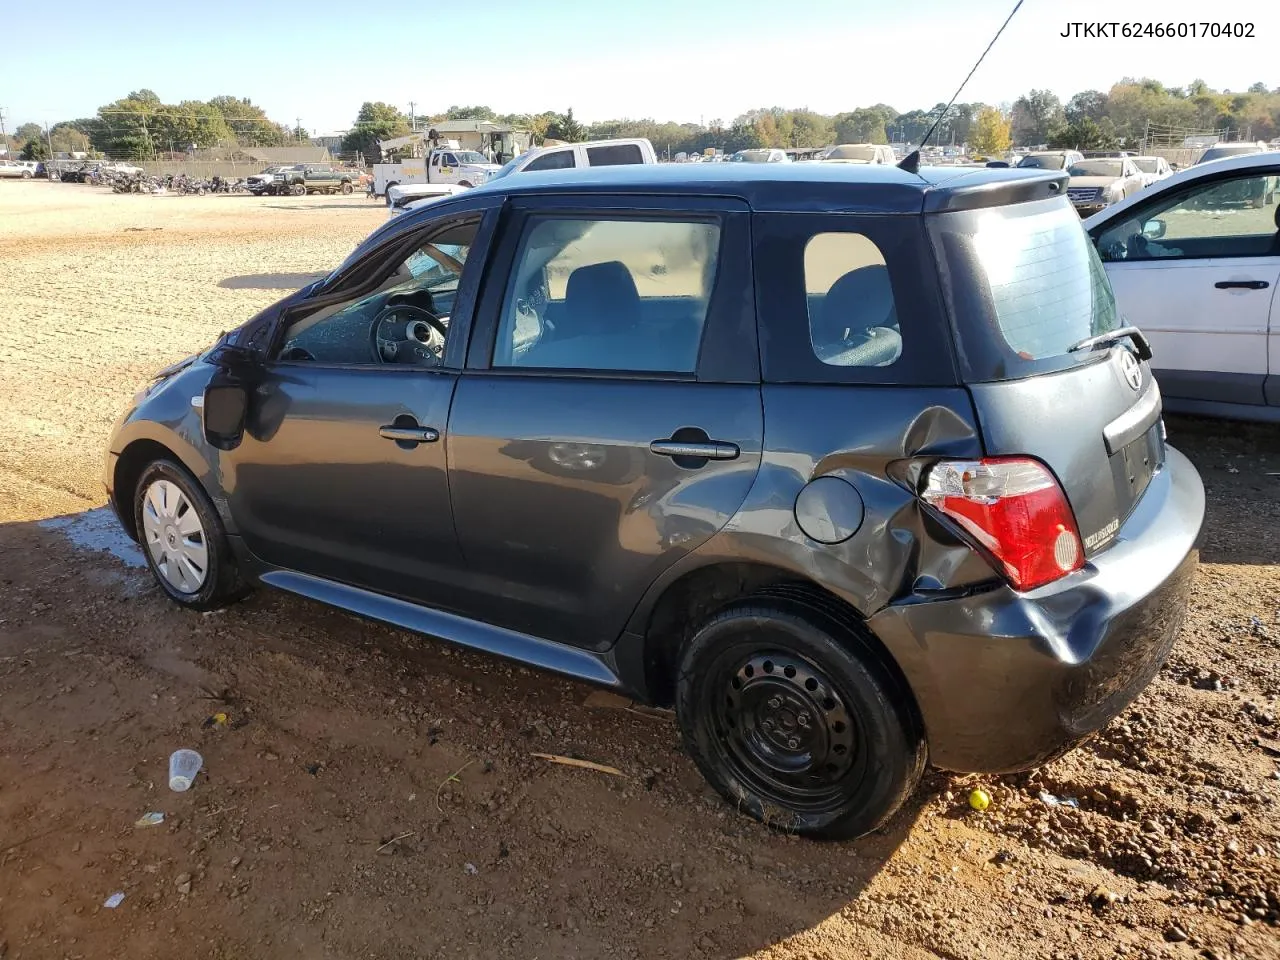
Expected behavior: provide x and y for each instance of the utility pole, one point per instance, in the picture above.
(413, 119)
(4, 136)
(48, 139)
(297, 128)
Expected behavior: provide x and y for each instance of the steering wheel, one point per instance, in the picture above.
(404, 333)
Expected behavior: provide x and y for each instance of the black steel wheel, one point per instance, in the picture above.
(792, 715)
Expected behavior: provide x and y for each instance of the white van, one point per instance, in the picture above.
(596, 153)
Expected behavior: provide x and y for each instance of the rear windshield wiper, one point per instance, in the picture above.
(1139, 339)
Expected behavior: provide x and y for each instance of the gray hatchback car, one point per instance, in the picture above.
(855, 467)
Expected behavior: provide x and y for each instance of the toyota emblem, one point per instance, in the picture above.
(1129, 367)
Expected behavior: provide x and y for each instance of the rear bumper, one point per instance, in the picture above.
(1008, 680)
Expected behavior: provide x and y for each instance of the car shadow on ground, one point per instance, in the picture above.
(369, 786)
(304, 207)
(269, 281)
(1240, 466)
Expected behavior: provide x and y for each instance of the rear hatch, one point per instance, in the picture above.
(1024, 286)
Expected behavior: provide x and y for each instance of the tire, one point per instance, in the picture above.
(163, 502)
(465, 183)
(386, 194)
(26, 174)
(748, 680)
(299, 190)
(347, 188)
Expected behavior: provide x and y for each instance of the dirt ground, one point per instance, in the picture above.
(373, 793)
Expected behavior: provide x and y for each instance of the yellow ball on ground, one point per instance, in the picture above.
(979, 799)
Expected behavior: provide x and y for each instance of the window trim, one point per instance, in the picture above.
(928, 345)
(530, 222)
(372, 269)
(1140, 212)
(728, 350)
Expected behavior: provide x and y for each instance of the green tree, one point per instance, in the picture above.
(35, 150)
(470, 113)
(1034, 116)
(1083, 134)
(990, 134)
(28, 131)
(565, 127)
(1087, 103)
(375, 121)
(1258, 88)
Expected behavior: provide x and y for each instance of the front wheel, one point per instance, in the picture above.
(347, 188)
(183, 539)
(793, 717)
(299, 190)
(26, 174)
(465, 183)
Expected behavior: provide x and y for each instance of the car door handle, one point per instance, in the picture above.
(1242, 284)
(409, 434)
(708, 450)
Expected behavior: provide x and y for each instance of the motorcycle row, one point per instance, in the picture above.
(121, 182)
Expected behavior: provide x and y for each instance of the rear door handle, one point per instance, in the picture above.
(1242, 284)
(707, 450)
(409, 434)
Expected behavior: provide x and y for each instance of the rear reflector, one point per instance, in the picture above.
(1015, 510)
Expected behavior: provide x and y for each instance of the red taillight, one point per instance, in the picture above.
(1015, 509)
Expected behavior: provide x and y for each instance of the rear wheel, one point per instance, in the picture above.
(299, 190)
(793, 718)
(183, 538)
(464, 183)
(347, 187)
(387, 193)
(26, 174)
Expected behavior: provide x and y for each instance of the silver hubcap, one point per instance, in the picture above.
(175, 539)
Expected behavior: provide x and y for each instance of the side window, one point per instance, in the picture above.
(405, 321)
(555, 160)
(614, 155)
(450, 160)
(609, 295)
(1226, 218)
(853, 321)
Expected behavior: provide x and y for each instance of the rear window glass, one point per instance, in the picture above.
(1023, 284)
(614, 155)
(853, 321)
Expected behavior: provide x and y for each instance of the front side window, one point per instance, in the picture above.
(1225, 218)
(1024, 285)
(555, 160)
(853, 321)
(405, 321)
(609, 295)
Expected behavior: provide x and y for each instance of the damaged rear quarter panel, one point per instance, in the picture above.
(861, 434)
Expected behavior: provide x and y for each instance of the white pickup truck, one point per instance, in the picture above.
(466, 168)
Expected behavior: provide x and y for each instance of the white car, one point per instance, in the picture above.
(1194, 262)
(1153, 169)
(761, 155)
(860, 153)
(595, 153)
(17, 169)
(403, 197)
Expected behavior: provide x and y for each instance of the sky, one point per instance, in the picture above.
(683, 60)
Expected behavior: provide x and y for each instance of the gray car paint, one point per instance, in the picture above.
(949, 623)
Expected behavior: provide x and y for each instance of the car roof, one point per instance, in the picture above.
(1268, 162)
(860, 188)
(772, 187)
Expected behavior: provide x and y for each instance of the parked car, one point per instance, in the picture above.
(1153, 169)
(16, 169)
(530, 419)
(1195, 262)
(305, 178)
(402, 197)
(860, 153)
(1050, 160)
(271, 181)
(762, 155)
(1220, 151)
(594, 153)
(1096, 184)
